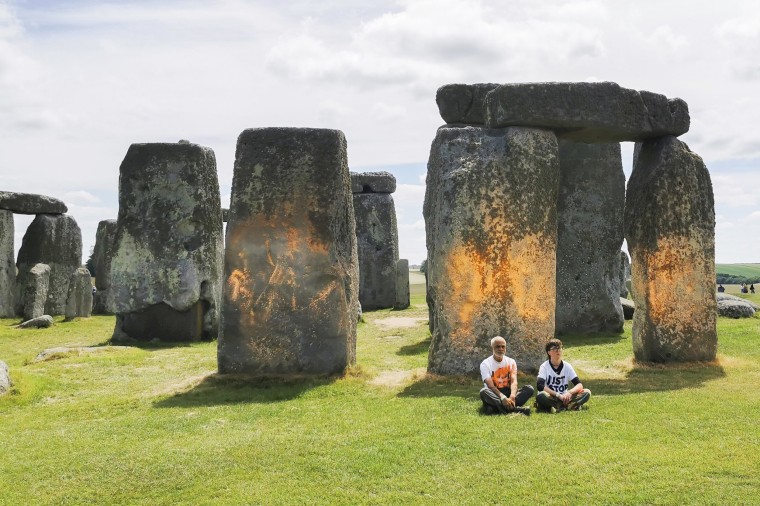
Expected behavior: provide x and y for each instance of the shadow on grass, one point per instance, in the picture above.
(217, 389)
(432, 385)
(577, 340)
(415, 349)
(658, 378)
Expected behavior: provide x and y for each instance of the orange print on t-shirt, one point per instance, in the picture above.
(501, 377)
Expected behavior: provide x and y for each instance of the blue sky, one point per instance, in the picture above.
(80, 81)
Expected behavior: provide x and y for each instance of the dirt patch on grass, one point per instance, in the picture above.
(393, 379)
(400, 322)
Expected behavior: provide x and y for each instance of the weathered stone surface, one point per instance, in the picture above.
(377, 248)
(40, 322)
(102, 255)
(5, 378)
(670, 229)
(55, 240)
(625, 273)
(168, 247)
(735, 308)
(373, 182)
(33, 291)
(463, 103)
(291, 270)
(590, 209)
(7, 266)
(628, 308)
(491, 223)
(587, 112)
(727, 296)
(30, 203)
(79, 299)
(402, 284)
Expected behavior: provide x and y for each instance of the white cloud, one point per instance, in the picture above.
(81, 197)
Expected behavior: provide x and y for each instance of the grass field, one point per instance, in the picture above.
(156, 425)
(746, 270)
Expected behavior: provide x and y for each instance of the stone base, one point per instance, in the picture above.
(164, 323)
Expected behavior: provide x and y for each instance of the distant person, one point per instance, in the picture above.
(744, 288)
(752, 288)
(499, 374)
(555, 377)
(721, 289)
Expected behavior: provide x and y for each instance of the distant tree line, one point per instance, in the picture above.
(728, 279)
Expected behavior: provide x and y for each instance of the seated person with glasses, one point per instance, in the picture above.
(554, 379)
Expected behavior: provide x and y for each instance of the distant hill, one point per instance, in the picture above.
(737, 273)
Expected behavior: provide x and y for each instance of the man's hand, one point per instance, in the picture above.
(508, 402)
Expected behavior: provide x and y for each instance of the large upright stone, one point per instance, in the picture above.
(7, 266)
(377, 238)
(31, 203)
(402, 284)
(491, 223)
(590, 210)
(101, 258)
(670, 229)
(79, 299)
(587, 112)
(166, 267)
(34, 291)
(290, 270)
(55, 240)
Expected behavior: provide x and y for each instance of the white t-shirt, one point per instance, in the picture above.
(558, 380)
(500, 372)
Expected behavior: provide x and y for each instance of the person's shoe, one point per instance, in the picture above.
(523, 410)
(552, 410)
(490, 410)
(579, 401)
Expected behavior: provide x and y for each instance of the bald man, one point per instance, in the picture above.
(499, 373)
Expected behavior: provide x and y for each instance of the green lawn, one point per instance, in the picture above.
(746, 270)
(155, 425)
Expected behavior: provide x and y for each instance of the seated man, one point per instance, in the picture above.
(499, 373)
(554, 378)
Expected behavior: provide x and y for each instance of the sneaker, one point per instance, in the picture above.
(579, 401)
(490, 410)
(523, 410)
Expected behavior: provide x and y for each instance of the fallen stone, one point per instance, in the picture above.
(587, 112)
(491, 224)
(291, 272)
(41, 322)
(7, 266)
(55, 240)
(727, 296)
(463, 103)
(402, 284)
(628, 308)
(377, 249)
(102, 256)
(165, 272)
(34, 290)
(5, 378)
(670, 230)
(735, 308)
(79, 299)
(64, 351)
(373, 182)
(30, 203)
(590, 209)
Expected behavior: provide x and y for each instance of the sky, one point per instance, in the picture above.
(82, 80)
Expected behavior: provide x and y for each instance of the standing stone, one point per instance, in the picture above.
(166, 267)
(79, 299)
(291, 270)
(590, 211)
(7, 266)
(34, 291)
(55, 240)
(625, 273)
(670, 229)
(491, 223)
(5, 378)
(402, 284)
(102, 255)
(377, 238)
